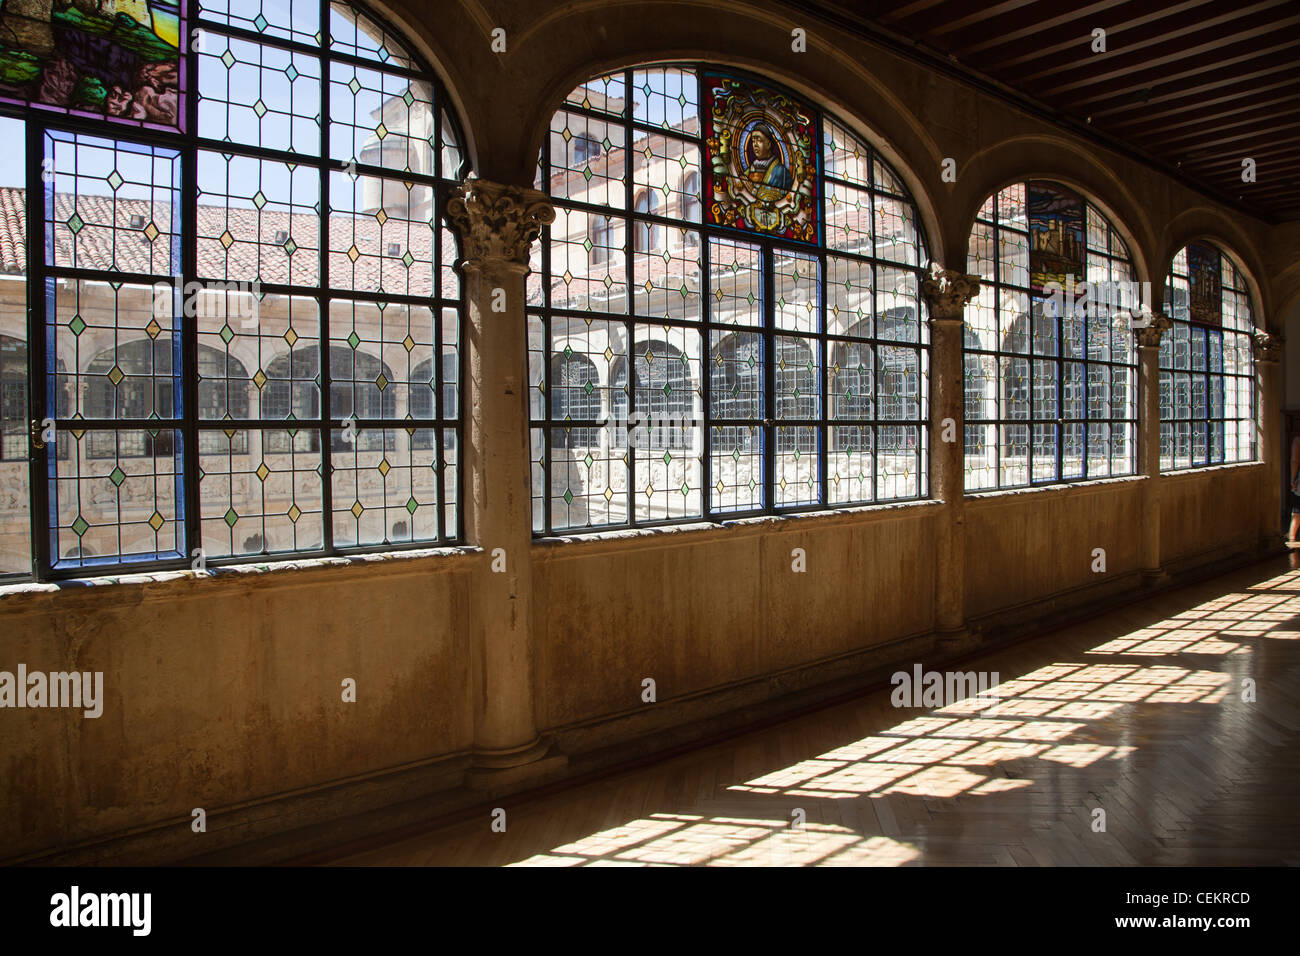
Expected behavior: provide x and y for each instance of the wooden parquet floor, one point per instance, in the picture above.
(1138, 713)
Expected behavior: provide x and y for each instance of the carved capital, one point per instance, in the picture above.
(498, 224)
(1266, 348)
(947, 291)
(1150, 328)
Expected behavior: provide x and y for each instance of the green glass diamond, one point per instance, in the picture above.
(259, 199)
(290, 246)
(226, 333)
(568, 496)
(228, 58)
(291, 72)
(353, 339)
(77, 325)
(260, 22)
(117, 476)
(75, 223)
(230, 517)
(80, 526)
(354, 86)
(411, 505)
(259, 108)
(408, 259)
(407, 98)
(114, 180)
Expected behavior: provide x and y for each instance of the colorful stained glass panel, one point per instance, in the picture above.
(115, 59)
(1204, 275)
(761, 170)
(1056, 236)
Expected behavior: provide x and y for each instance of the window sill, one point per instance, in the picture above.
(1060, 488)
(696, 532)
(271, 573)
(1210, 469)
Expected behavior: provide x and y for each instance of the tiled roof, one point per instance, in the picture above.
(234, 244)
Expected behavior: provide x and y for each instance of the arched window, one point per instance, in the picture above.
(665, 395)
(206, 241)
(691, 203)
(1051, 377)
(770, 292)
(1207, 370)
(575, 397)
(13, 399)
(646, 233)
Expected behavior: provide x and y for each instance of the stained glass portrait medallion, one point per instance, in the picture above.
(761, 169)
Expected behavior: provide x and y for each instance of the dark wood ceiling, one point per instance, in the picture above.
(1192, 86)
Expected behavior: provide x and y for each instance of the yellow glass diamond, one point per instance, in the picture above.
(156, 521)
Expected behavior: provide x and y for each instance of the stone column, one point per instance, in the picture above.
(946, 293)
(1147, 338)
(497, 226)
(1277, 460)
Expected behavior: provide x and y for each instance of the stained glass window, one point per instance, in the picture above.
(1207, 371)
(243, 302)
(116, 60)
(725, 317)
(1050, 362)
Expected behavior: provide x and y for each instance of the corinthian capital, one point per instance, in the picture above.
(947, 291)
(1267, 347)
(1150, 328)
(497, 223)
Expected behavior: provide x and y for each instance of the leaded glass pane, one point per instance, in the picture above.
(720, 379)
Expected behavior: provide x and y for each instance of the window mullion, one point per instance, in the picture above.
(325, 405)
(189, 323)
(630, 233)
(42, 519)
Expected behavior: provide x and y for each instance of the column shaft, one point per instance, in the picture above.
(946, 293)
(497, 225)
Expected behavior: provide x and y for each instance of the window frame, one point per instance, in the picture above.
(1031, 357)
(1166, 367)
(822, 340)
(40, 120)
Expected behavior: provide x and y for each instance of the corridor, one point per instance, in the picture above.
(1143, 714)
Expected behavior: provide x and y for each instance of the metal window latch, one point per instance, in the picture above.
(38, 434)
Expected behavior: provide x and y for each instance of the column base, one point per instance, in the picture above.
(954, 640)
(1154, 577)
(496, 769)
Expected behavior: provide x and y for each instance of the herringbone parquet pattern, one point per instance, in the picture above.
(1140, 714)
